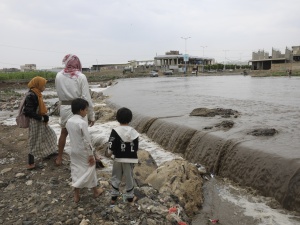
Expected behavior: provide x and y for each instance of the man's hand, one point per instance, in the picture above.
(91, 123)
(92, 160)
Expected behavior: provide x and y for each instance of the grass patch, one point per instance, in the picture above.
(26, 76)
(267, 73)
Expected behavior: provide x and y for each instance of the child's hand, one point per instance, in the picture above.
(108, 153)
(92, 160)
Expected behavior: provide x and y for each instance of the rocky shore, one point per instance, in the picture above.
(169, 194)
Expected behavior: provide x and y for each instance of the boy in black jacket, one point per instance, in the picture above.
(123, 144)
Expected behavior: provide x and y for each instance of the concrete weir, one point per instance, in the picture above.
(270, 174)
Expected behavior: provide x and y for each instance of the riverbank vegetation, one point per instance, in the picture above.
(25, 77)
(270, 73)
(17, 76)
(220, 66)
(107, 75)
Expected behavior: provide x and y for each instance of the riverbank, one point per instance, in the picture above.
(44, 195)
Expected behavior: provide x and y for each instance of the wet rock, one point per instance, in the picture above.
(225, 124)
(263, 132)
(97, 95)
(103, 113)
(201, 169)
(206, 112)
(144, 168)
(183, 180)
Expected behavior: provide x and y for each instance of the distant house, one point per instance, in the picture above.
(143, 63)
(86, 69)
(296, 53)
(117, 66)
(56, 69)
(7, 70)
(261, 60)
(28, 67)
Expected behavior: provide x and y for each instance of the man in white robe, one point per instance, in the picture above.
(70, 84)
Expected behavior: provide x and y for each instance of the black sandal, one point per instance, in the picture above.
(31, 167)
(113, 200)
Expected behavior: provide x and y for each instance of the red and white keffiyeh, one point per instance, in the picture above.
(72, 64)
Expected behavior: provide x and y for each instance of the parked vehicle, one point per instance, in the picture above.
(153, 74)
(168, 72)
(245, 72)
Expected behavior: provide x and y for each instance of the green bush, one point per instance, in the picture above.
(4, 76)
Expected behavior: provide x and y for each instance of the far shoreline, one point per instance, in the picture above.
(105, 76)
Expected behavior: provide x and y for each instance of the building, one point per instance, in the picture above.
(28, 67)
(8, 70)
(172, 60)
(175, 61)
(261, 60)
(117, 66)
(296, 53)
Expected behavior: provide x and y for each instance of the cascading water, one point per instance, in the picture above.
(269, 164)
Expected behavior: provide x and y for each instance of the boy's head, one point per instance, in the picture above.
(79, 104)
(124, 115)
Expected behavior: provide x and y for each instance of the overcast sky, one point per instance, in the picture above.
(116, 31)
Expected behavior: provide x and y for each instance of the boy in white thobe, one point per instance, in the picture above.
(83, 170)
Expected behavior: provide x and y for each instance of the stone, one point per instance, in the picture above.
(263, 132)
(29, 182)
(20, 175)
(6, 170)
(84, 222)
(205, 112)
(10, 187)
(117, 209)
(144, 168)
(183, 180)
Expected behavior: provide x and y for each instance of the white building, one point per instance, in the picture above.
(28, 67)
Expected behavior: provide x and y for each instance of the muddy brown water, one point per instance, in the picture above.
(269, 164)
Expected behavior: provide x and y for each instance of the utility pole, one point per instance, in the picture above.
(203, 49)
(185, 39)
(225, 58)
(97, 65)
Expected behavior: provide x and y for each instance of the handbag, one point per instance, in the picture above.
(22, 120)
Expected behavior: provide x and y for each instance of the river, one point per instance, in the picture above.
(269, 164)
